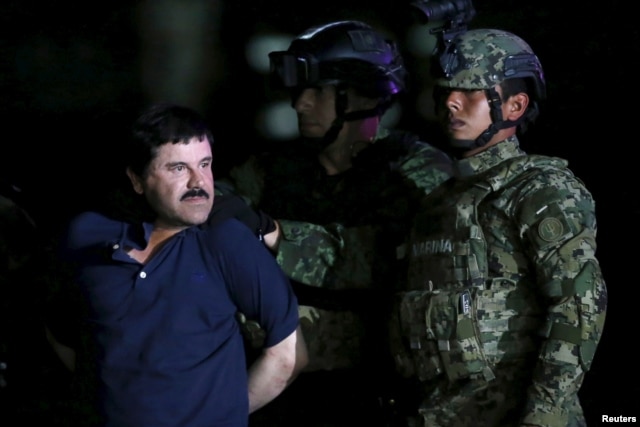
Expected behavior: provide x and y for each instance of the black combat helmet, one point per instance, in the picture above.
(346, 54)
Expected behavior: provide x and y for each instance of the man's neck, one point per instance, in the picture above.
(354, 137)
(158, 237)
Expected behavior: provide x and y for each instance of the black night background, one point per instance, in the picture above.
(70, 73)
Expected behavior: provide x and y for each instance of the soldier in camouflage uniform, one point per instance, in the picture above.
(341, 194)
(505, 302)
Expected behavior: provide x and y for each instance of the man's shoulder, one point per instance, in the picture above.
(419, 161)
(91, 219)
(550, 172)
(428, 151)
(90, 227)
(401, 145)
(548, 181)
(226, 234)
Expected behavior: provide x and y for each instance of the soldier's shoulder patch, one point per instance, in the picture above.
(550, 229)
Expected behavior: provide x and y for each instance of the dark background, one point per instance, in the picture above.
(70, 73)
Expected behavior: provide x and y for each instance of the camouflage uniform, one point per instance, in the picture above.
(339, 235)
(338, 232)
(505, 302)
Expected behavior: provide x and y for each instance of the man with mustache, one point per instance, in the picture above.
(161, 298)
(505, 302)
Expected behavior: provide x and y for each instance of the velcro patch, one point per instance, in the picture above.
(550, 229)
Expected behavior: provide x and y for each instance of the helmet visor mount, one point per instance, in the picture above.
(448, 63)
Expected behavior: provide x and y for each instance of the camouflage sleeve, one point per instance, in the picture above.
(558, 222)
(339, 257)
(330, 256)
(311, 254)
(246, 180)
(425, 166)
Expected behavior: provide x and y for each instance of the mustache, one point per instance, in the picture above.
(196, 192)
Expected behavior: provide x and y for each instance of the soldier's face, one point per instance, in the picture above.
(315, 107)
(465, 114)
(316, 110)
(179, 183)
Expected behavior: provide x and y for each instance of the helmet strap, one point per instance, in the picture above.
(362, 114)
(461, 146)
(341, 103)
(495, 110)
(341, 116)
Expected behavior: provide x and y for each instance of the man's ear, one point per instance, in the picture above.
(516, 106)
(136, 182)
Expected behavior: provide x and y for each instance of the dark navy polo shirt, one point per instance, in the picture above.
(170, 352)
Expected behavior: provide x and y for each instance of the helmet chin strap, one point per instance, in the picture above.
(340, 106)
(461, 146)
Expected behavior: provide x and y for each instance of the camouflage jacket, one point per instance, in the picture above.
(339, 233)
(337, 229)
(505, 258)
(332, 224)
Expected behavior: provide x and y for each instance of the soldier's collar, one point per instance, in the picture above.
(488, 158)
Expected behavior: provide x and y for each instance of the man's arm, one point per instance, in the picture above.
(328, 256)
(275, 369)
(561, 228)
(343, 256)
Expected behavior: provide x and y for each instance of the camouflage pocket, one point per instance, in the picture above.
(440, 331)
(451, 316)
(413, 345)
(508, 321)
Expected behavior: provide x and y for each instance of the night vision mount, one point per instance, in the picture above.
(455, 15)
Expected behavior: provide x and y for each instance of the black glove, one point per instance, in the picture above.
(233, 206)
